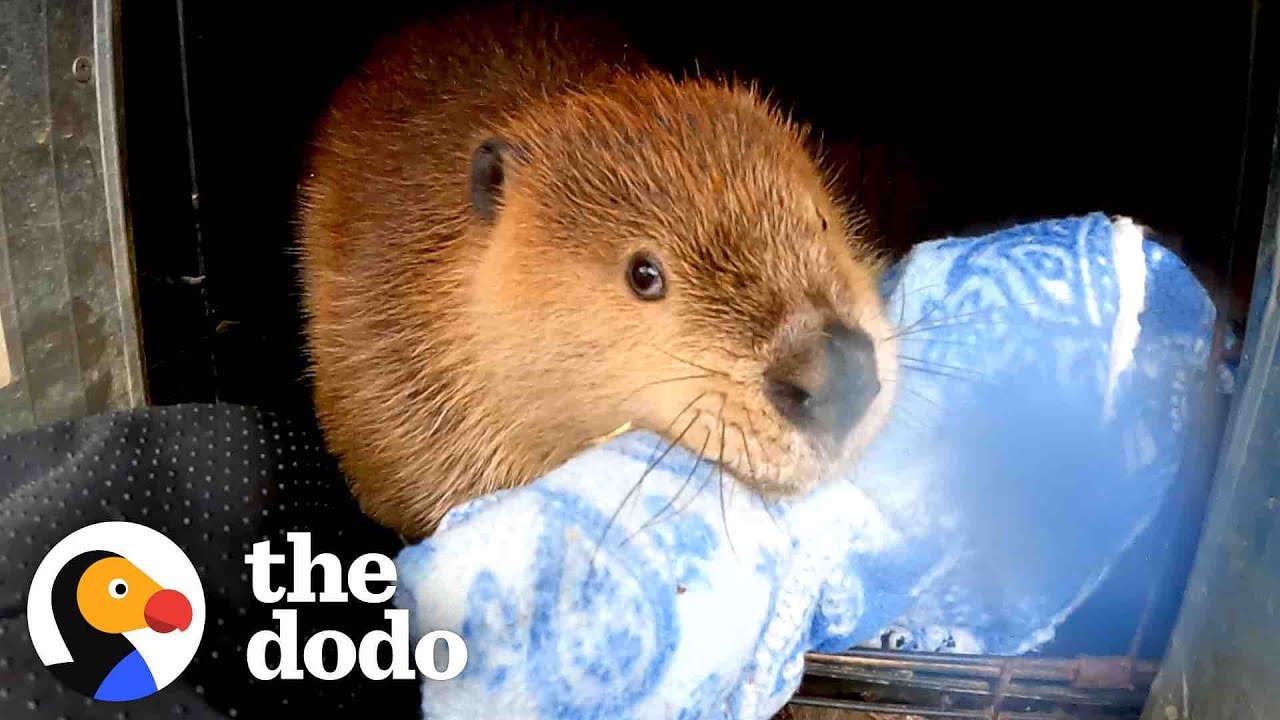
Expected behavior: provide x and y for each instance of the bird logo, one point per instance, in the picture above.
(115, 611)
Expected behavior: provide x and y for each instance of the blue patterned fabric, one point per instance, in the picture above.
(1047, 372)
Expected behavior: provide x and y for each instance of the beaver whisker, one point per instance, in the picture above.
(921, 362)
(902, 309)
(922, 396)
(746, 447)
(768, 509)
(940, 326)
(932, 341)
(648, 385)
(670, 446)
(914, 328)
(676, 496)
(724, 516)
(943, 373)
(694, 364)
(653, 463)
(755, 435)
(908, 414)
(676, 419)
(764, 502)
(707, 479)
(926, 317)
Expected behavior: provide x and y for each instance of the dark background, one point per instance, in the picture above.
(944, 121)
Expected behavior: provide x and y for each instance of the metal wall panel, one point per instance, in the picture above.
(67, 311)
(1221, 663)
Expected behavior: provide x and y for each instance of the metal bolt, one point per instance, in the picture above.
(81, 70)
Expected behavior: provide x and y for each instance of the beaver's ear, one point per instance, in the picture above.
(490, 162)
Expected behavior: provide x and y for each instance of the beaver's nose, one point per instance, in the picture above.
(826, 388)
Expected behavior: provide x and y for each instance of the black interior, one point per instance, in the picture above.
(944, 122)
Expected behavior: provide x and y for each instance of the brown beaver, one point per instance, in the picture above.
(517, 238)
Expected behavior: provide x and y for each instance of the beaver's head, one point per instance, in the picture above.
(668, 254)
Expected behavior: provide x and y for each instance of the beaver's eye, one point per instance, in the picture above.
(644, 275)
(118, 588)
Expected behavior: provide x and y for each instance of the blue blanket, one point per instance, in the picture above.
(1047, 372)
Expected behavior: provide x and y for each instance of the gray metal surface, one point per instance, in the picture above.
(1222, 659)
(68, 314)
(945, 685)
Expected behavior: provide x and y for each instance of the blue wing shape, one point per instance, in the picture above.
(130, 679)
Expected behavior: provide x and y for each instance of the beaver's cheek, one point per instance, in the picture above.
(662, 400)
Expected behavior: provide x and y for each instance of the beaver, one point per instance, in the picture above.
(516, 237)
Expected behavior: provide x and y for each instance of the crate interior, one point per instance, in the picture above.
(942, 122)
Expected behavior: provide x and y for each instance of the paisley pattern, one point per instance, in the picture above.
(490, 611)
(606, 630)
(1019, 418)
(1047, 377)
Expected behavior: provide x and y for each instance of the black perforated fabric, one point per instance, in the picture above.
(214, 479)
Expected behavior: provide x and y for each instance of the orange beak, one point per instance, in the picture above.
(167, 610)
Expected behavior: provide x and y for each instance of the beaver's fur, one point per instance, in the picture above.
(465, 343)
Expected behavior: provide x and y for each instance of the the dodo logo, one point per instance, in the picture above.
(116, 611)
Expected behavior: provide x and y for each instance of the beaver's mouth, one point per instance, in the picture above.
(768, 452)
(802, 419)
(764, 454)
